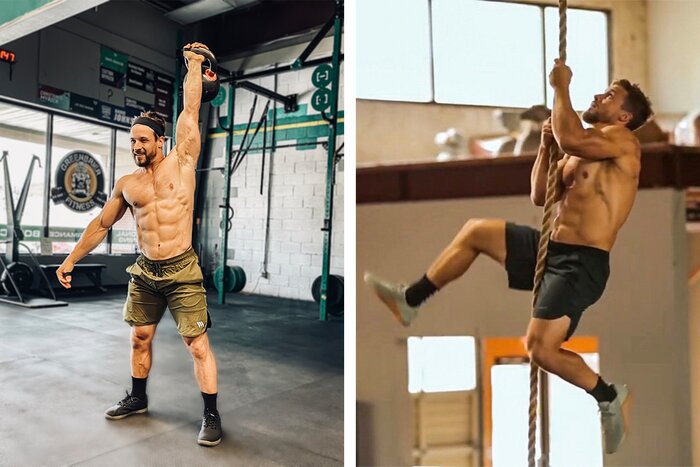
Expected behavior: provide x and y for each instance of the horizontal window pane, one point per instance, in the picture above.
(393, 50)
(487, 53)
(439, 364)
(586, 50)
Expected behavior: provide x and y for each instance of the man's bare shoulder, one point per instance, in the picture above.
(624, 138)
(125, 181)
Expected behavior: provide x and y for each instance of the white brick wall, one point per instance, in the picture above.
(295, 245)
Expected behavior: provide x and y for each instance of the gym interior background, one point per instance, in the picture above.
(434, 394)
(72, 76)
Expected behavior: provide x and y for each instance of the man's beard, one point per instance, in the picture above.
(590, 116)
(146, 162)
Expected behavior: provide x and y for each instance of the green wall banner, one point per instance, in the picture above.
(10, 9)
(112, 67)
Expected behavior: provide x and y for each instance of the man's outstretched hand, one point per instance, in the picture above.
(64, 273)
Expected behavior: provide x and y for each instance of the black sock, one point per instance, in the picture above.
(138, 387)
(603, 392)
(209, 402)
(420, 291)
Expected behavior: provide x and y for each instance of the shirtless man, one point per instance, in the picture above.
(160, 196)
(598, 178)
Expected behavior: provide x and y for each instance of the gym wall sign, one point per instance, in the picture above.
(79, 182)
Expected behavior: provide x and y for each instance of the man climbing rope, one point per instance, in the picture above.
(597, 180)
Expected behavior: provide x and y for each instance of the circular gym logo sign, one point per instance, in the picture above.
(79, 182)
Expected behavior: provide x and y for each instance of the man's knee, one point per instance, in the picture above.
(471, 231)
(198, 346)
(541, 352)
(141, 338)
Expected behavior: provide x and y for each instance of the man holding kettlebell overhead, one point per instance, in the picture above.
(160, 196)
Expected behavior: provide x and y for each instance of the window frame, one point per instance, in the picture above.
(542, 6)
(48, 142)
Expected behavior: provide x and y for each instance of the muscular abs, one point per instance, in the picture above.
(162, 205)
(595, 199)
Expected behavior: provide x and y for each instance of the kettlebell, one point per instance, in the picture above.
(210, 80)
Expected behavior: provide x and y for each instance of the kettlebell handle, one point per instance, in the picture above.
(204, 53)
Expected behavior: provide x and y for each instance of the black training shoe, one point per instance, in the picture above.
(210, 434)
(130, 405)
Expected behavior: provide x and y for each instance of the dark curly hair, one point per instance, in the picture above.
(636, 103)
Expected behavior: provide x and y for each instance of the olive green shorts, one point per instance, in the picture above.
(175, 283)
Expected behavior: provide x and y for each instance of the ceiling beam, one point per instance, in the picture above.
(20, 19)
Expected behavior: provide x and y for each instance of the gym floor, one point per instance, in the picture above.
(280, 386)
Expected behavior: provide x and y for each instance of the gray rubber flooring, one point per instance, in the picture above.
(280, 387)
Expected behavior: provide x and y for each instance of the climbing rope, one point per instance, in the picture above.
(545, 233)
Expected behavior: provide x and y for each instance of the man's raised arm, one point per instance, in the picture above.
(187, 137)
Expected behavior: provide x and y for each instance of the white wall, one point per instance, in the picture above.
(694, 326)
(674, 63)
(641, 321)
(297, 203)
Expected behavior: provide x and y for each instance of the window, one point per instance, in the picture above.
(566, 403)
(22, 135)
(393, 50)
(586, 50)
(492, 53)
(124, 231)
(487, 53)
(81, 181)
(439, 364)
(575, 444)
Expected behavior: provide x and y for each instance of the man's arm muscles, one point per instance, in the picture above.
(593, 144)
(96, 231)
(187, 137)
(578, 141)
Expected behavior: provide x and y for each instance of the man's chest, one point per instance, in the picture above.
(145, 189)
(576, 171)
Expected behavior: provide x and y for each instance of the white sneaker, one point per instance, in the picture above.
(394, 297)
(614, 417)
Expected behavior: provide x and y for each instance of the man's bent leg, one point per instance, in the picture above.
(544, 340)
(477, 236)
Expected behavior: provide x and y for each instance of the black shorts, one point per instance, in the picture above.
(574, 278)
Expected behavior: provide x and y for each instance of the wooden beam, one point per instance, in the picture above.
(663, 165)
